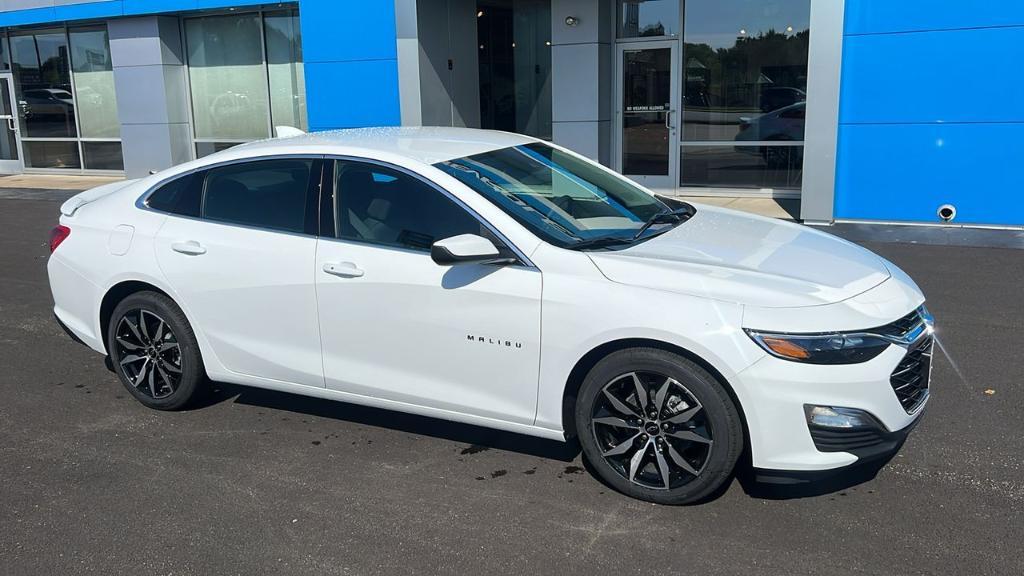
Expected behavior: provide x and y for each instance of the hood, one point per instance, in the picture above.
(737, 257)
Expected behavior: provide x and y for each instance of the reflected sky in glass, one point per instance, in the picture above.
(719, 23)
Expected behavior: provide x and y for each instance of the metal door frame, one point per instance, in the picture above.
(670, 182)
(8, 166)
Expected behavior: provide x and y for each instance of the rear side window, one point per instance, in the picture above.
(271, 194)
(182, 196)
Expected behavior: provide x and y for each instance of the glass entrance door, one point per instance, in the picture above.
(647, 112)
(10, 138)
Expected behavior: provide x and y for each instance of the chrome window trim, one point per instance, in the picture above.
(142, 201)
(523, 259)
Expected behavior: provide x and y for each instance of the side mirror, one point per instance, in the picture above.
(465, 248)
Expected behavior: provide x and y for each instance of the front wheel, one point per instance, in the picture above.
(657, 426)
(154, 351)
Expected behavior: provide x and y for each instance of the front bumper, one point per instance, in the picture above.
(774, 392)
(870, 458)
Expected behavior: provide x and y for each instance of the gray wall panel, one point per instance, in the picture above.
(581, 77)
(151, 87)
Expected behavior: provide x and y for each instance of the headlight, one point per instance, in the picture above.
(838, 348)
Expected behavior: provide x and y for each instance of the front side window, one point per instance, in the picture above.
(384, 206)
(560, 198)
(271, 194)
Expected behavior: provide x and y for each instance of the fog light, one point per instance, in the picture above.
(843, 418)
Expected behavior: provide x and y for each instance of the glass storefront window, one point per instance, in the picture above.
(5, 57)
(43, 79)
(102, 155)
(245, 77)
(639, 18)
(285, 70)
(227, 77)
(51, 154)
(751, 167)
(514, 38)
(66, 102)
(94, 83)
(207, 148)
(744, 81)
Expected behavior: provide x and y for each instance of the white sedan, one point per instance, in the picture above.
(502, 281)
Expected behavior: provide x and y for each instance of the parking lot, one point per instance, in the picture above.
(256, 482)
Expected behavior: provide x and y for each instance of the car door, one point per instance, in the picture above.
(243, 263)
(397, 326)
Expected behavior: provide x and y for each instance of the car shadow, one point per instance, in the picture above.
(755, 486)
(752, 481)
(474, 436)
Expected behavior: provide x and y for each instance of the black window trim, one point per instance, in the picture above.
(313, 197)
(330, 197)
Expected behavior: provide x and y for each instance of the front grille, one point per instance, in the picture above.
(910, 378)
(900, 328)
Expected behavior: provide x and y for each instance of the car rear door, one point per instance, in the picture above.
(397, 326)
(243, 268)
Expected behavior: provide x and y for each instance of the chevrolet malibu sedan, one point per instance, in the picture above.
(497, 280)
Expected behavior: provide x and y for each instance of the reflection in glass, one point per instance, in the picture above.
(103, 155)
(745, 65)
(229, 89)
(285, 70)
(646, 100)
(514, 38)
(8, 139)
(766, 166)
(638, 18)
(207, 148)
(43, 78)
(94, 83)
(51, 154)
(5, 55)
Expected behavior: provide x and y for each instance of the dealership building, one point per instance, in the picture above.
(865, 110)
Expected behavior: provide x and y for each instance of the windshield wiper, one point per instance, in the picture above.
(602, 242)
(665, 217)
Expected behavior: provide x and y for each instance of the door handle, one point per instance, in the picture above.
(668, 119)
(191, 247)
(343, 269)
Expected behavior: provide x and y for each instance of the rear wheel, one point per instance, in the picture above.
(154, 351)
(658, 427)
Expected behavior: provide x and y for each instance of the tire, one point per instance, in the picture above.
(696, 433)
(154, 351)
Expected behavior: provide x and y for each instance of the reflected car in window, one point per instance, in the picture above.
(498, 280)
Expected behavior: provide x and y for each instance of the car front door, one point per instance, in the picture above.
(397, 326)
(243, 268)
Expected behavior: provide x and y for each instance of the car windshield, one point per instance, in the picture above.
(566, 201)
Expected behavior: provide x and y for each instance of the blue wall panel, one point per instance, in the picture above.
(352, 94)
(874, 16)
(899, 172)
(931, 111)
(31, 16)
(952, 76)
(351, 63)
(88, 10)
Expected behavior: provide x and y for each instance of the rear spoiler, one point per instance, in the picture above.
(77, 201)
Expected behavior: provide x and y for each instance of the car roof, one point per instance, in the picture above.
(426, 144)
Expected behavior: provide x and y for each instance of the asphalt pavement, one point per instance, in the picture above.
(255, 482)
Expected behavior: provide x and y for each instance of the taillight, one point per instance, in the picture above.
(58, 235)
